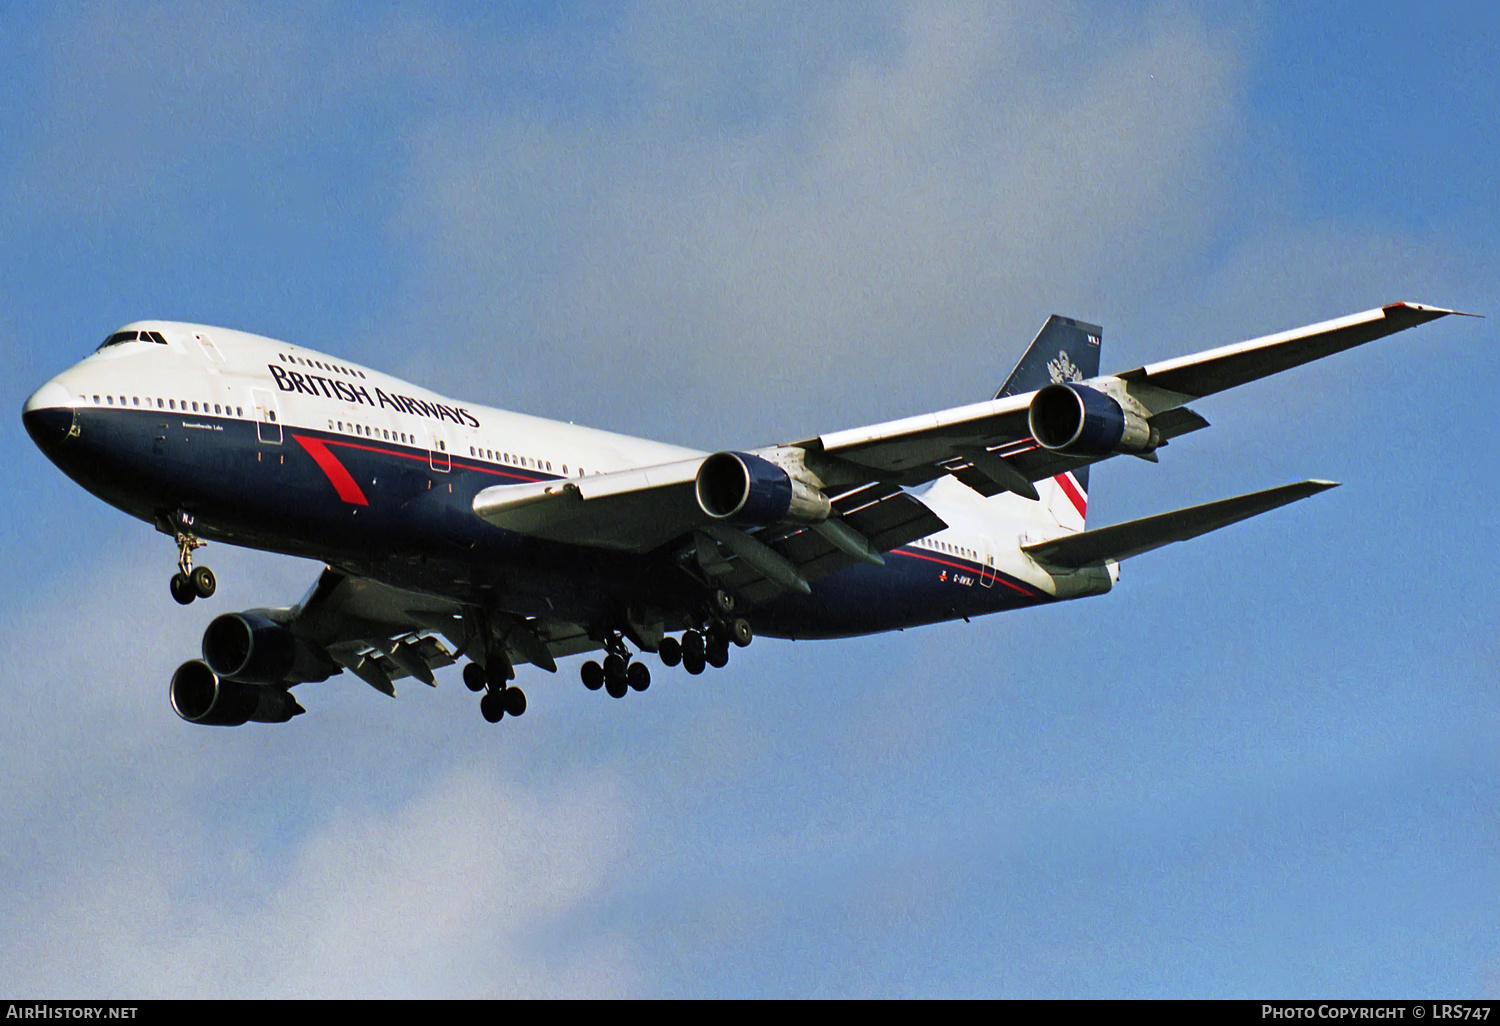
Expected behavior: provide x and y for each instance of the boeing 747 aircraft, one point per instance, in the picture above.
(453, 531)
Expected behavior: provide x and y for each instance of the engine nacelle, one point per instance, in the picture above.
(1082, 421)
(200, 696)
(746, 488)
(248, 647)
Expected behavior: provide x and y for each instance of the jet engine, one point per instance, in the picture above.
(741, 487)
(250, 648)
(200, 696)
(1081, 421)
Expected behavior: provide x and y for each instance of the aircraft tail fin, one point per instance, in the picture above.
(1064, 350)
(1121, 541)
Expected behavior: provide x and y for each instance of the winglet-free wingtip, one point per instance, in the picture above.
(1438, 311)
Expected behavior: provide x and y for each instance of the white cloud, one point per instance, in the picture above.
(885, 221)
(151, 103)
(137, 867)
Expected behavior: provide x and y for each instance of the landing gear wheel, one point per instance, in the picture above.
(474, 677)
(740, 632)
(692, 662)
(515, 701)
(638, 677)
(614, 676)
(182, 588)
(692, 644)
(670, 651)
(492, 707)
(722, 602)
(593, 675)
(204, 583)
(717, 652)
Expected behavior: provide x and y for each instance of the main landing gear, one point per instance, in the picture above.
(618, 674)
(188, 584)
(499, 698)
(699, 648)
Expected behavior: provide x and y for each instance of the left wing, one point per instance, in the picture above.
(382, 633)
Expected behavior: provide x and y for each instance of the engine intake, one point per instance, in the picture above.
(199, 696)
(1082, 421)
(742, 487)
(250, 648)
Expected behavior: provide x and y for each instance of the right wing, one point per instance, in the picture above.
(989, 446)
(862, 474)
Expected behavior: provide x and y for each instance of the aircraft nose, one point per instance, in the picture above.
(47, 417)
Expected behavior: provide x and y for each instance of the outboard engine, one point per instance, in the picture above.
(200, 696)
(749, 489)
(251, 648)
(1081, 421)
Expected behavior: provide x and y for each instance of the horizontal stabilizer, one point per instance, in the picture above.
(1121, 541)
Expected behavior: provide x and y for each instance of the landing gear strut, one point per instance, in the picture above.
(188, 584)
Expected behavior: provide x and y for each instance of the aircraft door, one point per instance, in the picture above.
(986, 562)
(267, 419)
(438, 457)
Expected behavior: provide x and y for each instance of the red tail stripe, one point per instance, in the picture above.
(1065, 482)
(342, 482)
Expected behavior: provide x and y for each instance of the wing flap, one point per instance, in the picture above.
(1121, 541)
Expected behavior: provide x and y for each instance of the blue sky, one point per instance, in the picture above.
(1264, 766)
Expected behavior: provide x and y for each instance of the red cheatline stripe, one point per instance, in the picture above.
(1065, 481)
(965, 569)
(345, 485)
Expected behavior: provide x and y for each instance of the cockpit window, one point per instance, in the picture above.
(133, 336)
(118, 337)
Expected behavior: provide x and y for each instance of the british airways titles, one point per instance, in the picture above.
(316, 385)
